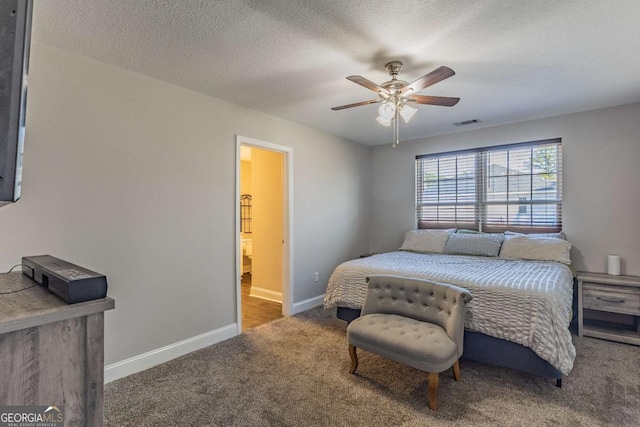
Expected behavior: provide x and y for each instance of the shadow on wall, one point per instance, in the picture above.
(576, 255)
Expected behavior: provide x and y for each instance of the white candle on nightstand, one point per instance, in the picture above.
(613, 265)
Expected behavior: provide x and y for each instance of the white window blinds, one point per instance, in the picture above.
(448, 190)
(513, 187)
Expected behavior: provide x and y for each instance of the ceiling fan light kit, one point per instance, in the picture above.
(395, 95)
(387, 112)
(407, 112)
(384, 122)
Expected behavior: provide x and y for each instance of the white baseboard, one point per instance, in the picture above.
(152, 358)
(307, 304)
(267, 294)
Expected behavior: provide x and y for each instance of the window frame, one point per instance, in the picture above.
(481, 203)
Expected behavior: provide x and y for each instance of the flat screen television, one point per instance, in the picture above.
(15, 40)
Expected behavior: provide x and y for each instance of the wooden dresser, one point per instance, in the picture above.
(51, 352)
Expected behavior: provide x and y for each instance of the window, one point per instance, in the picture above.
(511, 187)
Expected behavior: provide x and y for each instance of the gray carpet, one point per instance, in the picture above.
(293, 372)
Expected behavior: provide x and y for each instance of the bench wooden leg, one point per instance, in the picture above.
(456, 371)
(354, 359)
(434, 379)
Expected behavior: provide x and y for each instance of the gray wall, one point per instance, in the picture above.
(601, 178)
(135, 178)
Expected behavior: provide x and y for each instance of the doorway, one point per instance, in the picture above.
(263, 231)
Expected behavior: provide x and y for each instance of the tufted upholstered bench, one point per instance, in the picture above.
(416, 322)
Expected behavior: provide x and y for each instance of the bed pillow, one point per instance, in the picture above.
(485, 244)
(558, 235)
(536, 248)
(432, 241)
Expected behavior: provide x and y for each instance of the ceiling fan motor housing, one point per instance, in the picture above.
(394, 85)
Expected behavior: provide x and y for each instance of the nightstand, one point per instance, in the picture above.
(607, 297)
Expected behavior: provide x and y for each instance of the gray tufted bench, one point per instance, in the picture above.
(416, 322)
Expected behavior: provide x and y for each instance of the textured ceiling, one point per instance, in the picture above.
(514, 60)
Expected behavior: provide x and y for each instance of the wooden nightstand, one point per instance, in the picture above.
(613, 296)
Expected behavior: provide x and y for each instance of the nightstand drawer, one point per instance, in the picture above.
(620, 299)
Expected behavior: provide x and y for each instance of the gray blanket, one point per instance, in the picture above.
(527, 302)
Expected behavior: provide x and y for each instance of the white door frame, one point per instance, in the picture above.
(287, 247)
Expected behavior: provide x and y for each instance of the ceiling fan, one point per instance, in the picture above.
(396, 95)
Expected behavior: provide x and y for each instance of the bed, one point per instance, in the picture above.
(519, 317)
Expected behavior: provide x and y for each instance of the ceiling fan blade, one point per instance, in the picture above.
(357, 104)
(427, 80)
(368, 84)
(443, 101)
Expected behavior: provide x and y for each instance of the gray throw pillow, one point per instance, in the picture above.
(484, 244)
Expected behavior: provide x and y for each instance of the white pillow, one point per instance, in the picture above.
(558, 235)
(432, 241)
(536, 248)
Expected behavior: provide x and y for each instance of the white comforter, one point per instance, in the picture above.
(527, 302)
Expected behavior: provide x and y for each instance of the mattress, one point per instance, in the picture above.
(526, 302)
